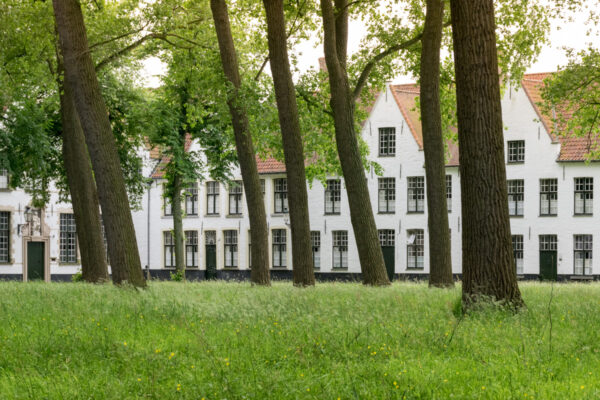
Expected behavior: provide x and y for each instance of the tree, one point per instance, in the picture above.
(488, 265)
(292, 144)
(440, 262)
(244, 146)
(335, 27)
(80, 76)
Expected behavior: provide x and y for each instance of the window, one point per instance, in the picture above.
(212, 198)
(515, 197)
(191, 249)
(517, 243)
(168, 209)
(386, 238)
(4, 237)
(584, 196)
(333, 196)
(68, 239)
(548, 243)
(279, 248)
(315, 241)
(387, 141)
(340, 249)
(262, 186)
(583, 255)
(548, 196)
(4, 181)
(169, 244)
(416, 194)
(281, 200)
(235, 197)
(191, 199)
(415, 249)
(387, 195)
(231, 249)
(249, 250)
(516, 151)
(449, 192)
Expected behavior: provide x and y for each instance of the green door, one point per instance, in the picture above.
(211, 261)
(35, 261)
(548, 265)
(389, 259)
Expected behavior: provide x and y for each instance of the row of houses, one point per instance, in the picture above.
(555, 225)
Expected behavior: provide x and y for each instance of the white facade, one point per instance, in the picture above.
(522, 123)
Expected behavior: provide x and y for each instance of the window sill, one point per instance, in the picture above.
(231, 269)
(516, 216)
(212, 215)
(515, 162)
(415, 212)
(416, 269)
(581, 277)
(191, 216)
(279, 214)
(547, 215)
(234, 216)
(387, 155)
(279, 268)
(386, 212)
(328, 214)
(584, 215)
(68, 264)
(339, 269)
(6, 264)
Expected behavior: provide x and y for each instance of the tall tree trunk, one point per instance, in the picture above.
(293, 150)
(178, 224)
(440, 262)
(82, 187)
(245, 150)
(80, 76)
(488, 265)
(342, 103)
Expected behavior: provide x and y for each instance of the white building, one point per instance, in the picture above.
(555, 228)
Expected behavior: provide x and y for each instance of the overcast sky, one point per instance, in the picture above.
(563, 34)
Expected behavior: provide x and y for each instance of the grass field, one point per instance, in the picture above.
(336, 341)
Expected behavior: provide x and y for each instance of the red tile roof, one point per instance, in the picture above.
(572, 148)
(159, 169)
(269, 166)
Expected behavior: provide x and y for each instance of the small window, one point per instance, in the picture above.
(387, 195)
(167, 207)
(516, 151)
(68, 239)
(416, 194)
(387, 237)
(279, 248)
(333, 196)
(387, 142)
(262, 186)
(340, 249)
(315, 241)
(4, 180)
(517, 243)
(191, 249)
(281, 200)
(231, 249)
(449, 192)
(415, 251)
(548, 243)
(191, 199)
(4, 237)
(583, 254)
(515, 197)
(169, 250)
(548, 196)
(584, 196)
(235, 197)
(212, 198)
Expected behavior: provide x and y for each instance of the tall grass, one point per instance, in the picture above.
(232, 341)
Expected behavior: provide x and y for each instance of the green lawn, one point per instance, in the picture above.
(231, 341)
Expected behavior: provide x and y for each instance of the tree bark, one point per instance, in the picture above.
(342, 104)
(178, 224)
(488, 265)
(245, 149)
(440, 262)
(82, 187)
(80, 76)
(293, 149)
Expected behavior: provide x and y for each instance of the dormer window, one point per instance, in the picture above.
(516, 151)
(387, 142)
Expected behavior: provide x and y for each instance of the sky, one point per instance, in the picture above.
(570, 33)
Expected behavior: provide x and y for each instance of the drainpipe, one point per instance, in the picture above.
(148, 233)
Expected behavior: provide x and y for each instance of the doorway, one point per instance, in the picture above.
(388, 248)
(211, 254)
(35, 261)
(548, 257)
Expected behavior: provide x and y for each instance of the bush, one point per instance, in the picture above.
(177, 276)
(77, 277)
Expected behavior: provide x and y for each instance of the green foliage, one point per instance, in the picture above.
(177, 276)
(230, 340)
(77, 277)
(572, 99)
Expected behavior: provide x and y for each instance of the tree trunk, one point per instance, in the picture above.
(488, 265)
(293, 150)
(80, 76)
(82, 187)
(440, 262)
(245, 149)
(178, 224)
(342, 104)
